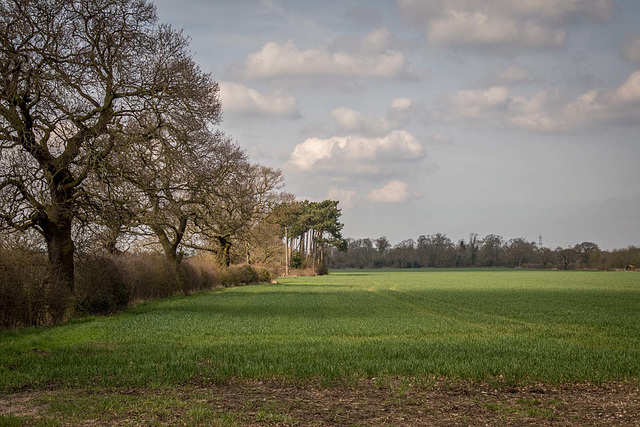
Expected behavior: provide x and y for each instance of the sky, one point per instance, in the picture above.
(512, 117)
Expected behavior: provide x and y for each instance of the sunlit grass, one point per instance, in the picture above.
(521, 326)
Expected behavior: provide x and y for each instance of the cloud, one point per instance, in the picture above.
(363, 16)
(393, 192)
(401, 104)
(345, 197)
(401, 112)
(355, 122)
(537, 113)
(376, 55)
(240, 99)
(356, 154)
(618, 106)
(497, 106)
(474, 104)
(480, 29)
(512, 74)
(439, 139)
(545, 111)
(500, 24)
(631, 49)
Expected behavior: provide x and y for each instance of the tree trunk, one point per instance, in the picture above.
(286, 251)
(226, 256)
(313, 252)
(225, 250)
(59, 289)
(301, 249)
(171, 253)
(60, 249)
(111, 240)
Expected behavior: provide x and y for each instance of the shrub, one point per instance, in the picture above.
(322, 269)
(104, 284)
(243, 275)
(296, 260)
(302, 272)
(101, 287)
(264, 275)
(150, 276)
(200, 273)
(23, 296)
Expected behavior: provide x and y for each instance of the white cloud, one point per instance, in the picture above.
(439, 139)
(394, 192)
(546, 111)
(400, 113)
(356, 154)
(355, 122)
(527, 24)
(345, 197)
(480, 29)
(375, 55)
(401, 104)
(621, 105)
(513, 74)
(240, 99)
(631, 49)
(629, 91)
(473, 104)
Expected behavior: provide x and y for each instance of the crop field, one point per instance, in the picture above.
(498, 328)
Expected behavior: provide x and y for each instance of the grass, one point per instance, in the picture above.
(512, 326)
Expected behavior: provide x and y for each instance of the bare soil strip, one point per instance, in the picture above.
(370, 402)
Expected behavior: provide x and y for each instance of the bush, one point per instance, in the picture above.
(200, 273)
(296, 260)
(104, 284)
(322, 269)
(264, 276)
(243, 275)
(100, 286)
(23, 293)
(150, 276)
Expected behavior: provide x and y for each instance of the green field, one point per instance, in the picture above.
(513, 326)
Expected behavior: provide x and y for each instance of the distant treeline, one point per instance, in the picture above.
(491, 251)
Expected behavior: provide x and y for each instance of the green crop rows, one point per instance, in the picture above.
(518, 326)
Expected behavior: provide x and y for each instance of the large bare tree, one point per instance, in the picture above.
(234, 208)
(175, 171)
(74, 75)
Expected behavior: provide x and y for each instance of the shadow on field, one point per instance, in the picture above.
(348, 274)
(282, 304)
(590, 308)
(309, 285)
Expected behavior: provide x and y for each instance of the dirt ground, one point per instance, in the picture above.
(370, 402)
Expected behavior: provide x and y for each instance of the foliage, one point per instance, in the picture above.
(106, 284)
(296, 260)
(309, 228)
(491, 251)
(22, 289)
(101, 287)
(107, 139)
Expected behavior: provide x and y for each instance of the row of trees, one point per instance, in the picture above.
(108, 140)
(491, 251)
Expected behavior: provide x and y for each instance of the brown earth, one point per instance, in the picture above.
(369, 402)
